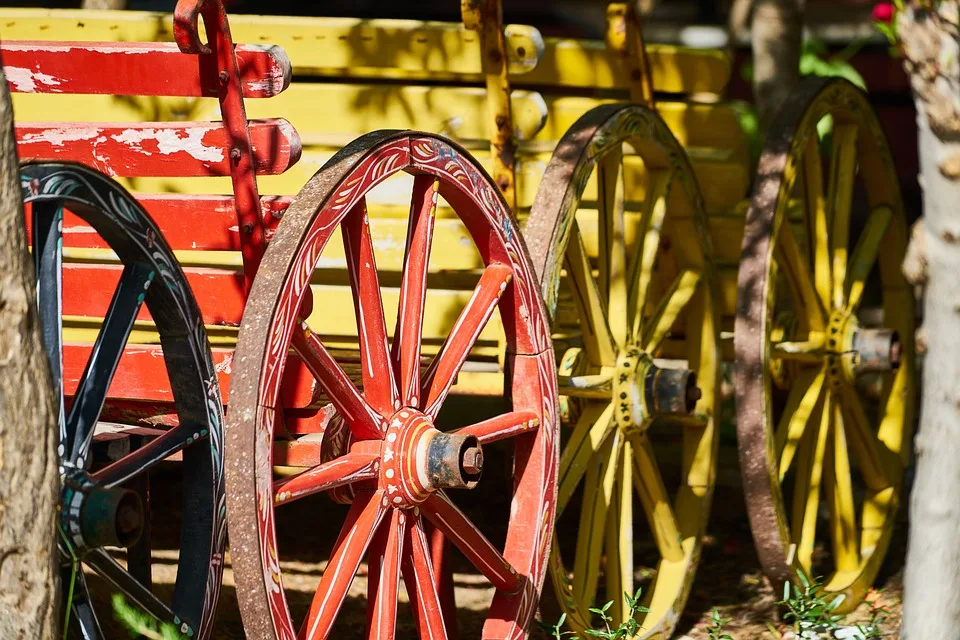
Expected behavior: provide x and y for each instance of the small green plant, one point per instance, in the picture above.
(628, 629)
(140, 624)
(715, 627)
(878, 615)
(808, 606)
(556, 630)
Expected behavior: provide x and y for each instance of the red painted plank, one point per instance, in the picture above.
(88, 289)
(203, 223)
(158, 149)
(137, 69)
(142, 375)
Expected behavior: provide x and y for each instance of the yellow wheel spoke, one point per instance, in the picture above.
(592, 429)
(817, 222)
(839, 484)
(865, 255)
(843, 171)
(798, 274)
(806, 491)
(597, 339)
(612, 259)
(810, 350)
(641, 268)
(675, 299)
(874, 459)
(804, 397)
(597, 500)
(590, 386)
(656, 503)
(619, 565)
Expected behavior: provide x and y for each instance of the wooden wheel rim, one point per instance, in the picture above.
(128, 230)
(551, 230)
(270, 320)
(760, 459)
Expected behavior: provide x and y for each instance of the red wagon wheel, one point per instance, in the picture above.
(394, 465)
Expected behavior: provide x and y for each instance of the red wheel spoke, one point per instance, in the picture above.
(383, 618)
(413, 291)
(444, 369)
(474, 545)
(505, 426)
(418, 575)
(377, 373)
(364, 517)
(363, 420)
(346, 469)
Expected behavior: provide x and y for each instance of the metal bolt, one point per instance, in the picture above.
(224, 77)
(235, 154)
(248, 228)
(473, 460)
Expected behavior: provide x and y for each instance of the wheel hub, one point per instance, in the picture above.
(643, 391)
(95, 517)
(417, 460)
(854, 351)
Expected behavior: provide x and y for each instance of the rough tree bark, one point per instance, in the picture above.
(776, 32)
(104, 4)
(28, 416)
(930, 44)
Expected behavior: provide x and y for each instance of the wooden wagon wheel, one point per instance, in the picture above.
(654, 297)
(802, 258)
(398, 471)
(100, 507)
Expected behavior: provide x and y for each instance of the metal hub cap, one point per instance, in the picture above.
(643, 391)
(417, 460)
(854, 351)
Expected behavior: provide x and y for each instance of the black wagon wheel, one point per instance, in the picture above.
(102, 515)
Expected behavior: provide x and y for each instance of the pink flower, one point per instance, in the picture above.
(883, 12)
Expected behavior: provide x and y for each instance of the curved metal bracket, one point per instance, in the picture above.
(186, 24)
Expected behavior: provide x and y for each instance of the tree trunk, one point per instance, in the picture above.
(776, 31)
(104, 4)
(932, 577)
(28, 418)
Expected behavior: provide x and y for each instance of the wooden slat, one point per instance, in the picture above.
(588, 65)
(348, 110)
(136, 68)
(158, 149)
(332, 47)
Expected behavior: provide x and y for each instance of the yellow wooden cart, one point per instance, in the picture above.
(657, 264)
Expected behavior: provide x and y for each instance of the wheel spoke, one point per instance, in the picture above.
(612, 258)
(598, 341)
(798, 274)
(413, 290)
(83, 618)
(810, 350)
(806, 492)
(346, 469)
(418, 575)
(593, 427)
(364, 422)
(474, 545)
(379, 386)
(873, 456)
(111, 571)
(805, 396)
(843, 516)
(598, 386)
(139, 560)
(843, 170)
(365, 515)
(597, 500)
(653, 496)
(818, 225)
(641, 268)
(865, 255)
(676, 298)
(48, 265)
(384, 604)
(505, 426)
(619, 566)
(104, 358)
(149, 455)
(474, 317)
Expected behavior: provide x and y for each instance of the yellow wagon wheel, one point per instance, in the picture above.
(824, 434)
(634, 293)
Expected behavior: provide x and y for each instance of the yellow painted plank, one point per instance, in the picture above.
(347, 112)
(587, 64)
(333, 47)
